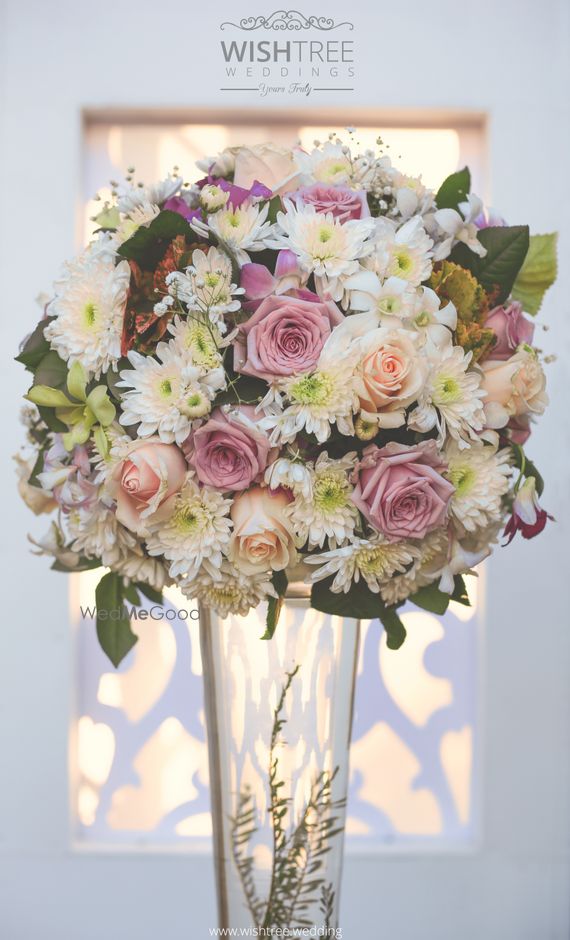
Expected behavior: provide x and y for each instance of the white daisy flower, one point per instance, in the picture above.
(329, 164)
(451, 399)
(213, 197)
(329, 512)
(206, 286)
(375, 560)
(88, 308)
(196, 531)
(399, 587)
(316, 400)
(326, 247)
(96, 533)
(458, 226)
(403, 252)
(230, 592)
(139, 217)
(138, 567)
(198, 341)
(133, 197)
(241, 229)
(480, 475)
(167, 395)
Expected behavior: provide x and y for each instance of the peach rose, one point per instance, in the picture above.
(262, 538)
(147, 478)
(514, 387)
(273, 166)
(390, 377)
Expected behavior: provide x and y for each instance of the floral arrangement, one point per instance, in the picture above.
(303, 358)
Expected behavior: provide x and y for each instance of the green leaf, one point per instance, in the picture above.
(51, 371)
(530, 469)
(275, 206)
(395, 629)
(131, 594)
(77, 381)
(101, 405)
(101, 441)
(460, 595)
(359, 603)
(274, 607)
(35, 347)
(48, 397)
(51, 421)
(275, 604)
(454, 190)
(431, 598)
(507, 247)
(149, 592)
(113, 624)
(114, 377)
(166, 226)
(538, 272)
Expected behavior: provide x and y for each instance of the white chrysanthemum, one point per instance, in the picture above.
(412, 197)
(401, 586)
(291, 473)
(167, 395)
(197, 340)
(324, 246)
(375, 560)
(139, 567)
(96, 533)
(316, 400)
(329, 513)
(241, 229)
(132, 197)
(139, 217)
(231, 592)
(206, 286)
(196, 531)
(88, 308)
(451, 399)
(213, 197)
(403, 252)
(328, 164)
(480, 475)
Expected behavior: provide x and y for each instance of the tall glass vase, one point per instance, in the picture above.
(279, 717)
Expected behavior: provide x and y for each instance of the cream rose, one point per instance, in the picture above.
(273, 166)
(514, 387)
(147, 479)
(262, 538)
(390, 375)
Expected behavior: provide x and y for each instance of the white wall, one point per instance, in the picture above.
(509, 59)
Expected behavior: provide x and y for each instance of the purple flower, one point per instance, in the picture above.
(179, 205)
(511, 328)
(342, 202)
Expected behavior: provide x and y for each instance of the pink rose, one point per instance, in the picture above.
(400, 490)
(391, 374)
(344, 203)
(229, 451)
(262, 538)
(284, 336)
(511, 328)
(147, 479)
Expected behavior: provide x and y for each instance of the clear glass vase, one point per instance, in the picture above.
(279, 718)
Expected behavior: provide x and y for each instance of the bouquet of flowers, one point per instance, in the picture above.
(302, 359)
